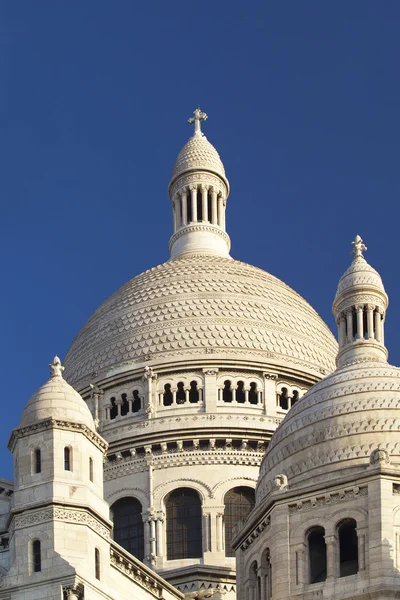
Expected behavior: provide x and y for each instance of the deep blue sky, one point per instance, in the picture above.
(303, 101)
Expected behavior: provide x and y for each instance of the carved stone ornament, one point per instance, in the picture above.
(379, 456)
(280, 482)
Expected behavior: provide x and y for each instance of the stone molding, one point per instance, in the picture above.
(200, 227)
(47, 424)
(319, 500)
(57, 513)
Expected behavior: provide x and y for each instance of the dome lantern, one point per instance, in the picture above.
(359, 308)
(198, 191)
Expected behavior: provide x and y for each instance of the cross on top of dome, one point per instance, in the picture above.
(358, 247)
(56, 367)
(199, 116)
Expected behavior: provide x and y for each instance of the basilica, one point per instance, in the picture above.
(206, 436)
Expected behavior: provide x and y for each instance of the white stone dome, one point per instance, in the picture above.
(335, 427)
(359, 275)
(196, 305)
(58, 400)
(198, 154)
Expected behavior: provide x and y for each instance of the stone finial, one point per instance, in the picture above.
(198, 116)
(358, 247)
(56, 367)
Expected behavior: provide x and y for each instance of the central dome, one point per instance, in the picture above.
(200, 304)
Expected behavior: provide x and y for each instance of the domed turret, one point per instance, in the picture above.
(198, 191)
(359, 307)
(56, 399)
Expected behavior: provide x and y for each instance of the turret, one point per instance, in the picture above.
(359, 308)
(198, 191)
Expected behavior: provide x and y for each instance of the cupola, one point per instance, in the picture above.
(359, 308)
(198, 191)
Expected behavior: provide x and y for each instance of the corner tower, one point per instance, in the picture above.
(198, 191)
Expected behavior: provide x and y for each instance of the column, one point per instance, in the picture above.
(214, 212)
(206, 533)
(349, 318)
(159, 532)
(193, 191)
(187, 391)
(233, 390)
(153, 536)
(378, 324)
(201, 395)
(210, 389)
(107, 410)
(299, 563)
(330, 541)
(146, 528)
(246, 395)
(204, 203)
(184, 207)
(361, 549)
(160, 399)
(259, 396)
(174, 390)
(360, 324)
(220, 545)
(220, 211)
(178, 222)
(341, 323)
(119, 403)
(370, 321)
(130, 400)
(270, 393)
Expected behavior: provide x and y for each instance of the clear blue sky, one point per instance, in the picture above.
(303, 101)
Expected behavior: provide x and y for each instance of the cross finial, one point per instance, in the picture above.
(198, 116)
(358, 247)
(56, 367)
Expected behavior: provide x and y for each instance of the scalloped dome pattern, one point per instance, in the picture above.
(198, 153)
(195, 303)
(359, 273)
(337, 424)
(58, 400)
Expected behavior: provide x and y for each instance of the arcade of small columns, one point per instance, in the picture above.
(199, 202)
(362, 321)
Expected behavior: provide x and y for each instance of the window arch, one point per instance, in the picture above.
(36, 556)
(253, 397)
(124, 405)
(114, 408)
(227, 391)
(348, 547)
(240, 394)
(67, 459)
(317, 554)
(128, 525)
(180, 393)
(167, 398)
(184, 534)
(239, 502)
(193, 392)
(136, 404)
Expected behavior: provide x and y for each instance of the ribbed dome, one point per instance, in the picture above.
(200, 304)
(58, 400)
(198, 154)
(335, 427)
(359, 274)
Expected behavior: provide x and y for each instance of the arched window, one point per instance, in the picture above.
(67, 459)
(167, 398)
(266, 573)
(97, 563)
(253, 398)
(36, 556)
(240, 395)
(317, 554)
(348, 544)
(209, 207)
(128, 525)
(37, 461)
(193, 392)
(180, 393)
(125, 405)
(227, 392)
(254, 582)
(189, 206)
(114, 408)
(239, 502)
(199, 205)
(295, 397)
(136, 404)
(91, 468)
(184, 535)
(283, 399)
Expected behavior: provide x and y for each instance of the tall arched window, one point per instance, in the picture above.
(184, 535)
(136, 404)
(167, 398)
(91, 468)
(348, 544)
(97, 563)
(67, 459)
(36, 556)
(193, 392)
(317, 554)
(227, 392)
(240, 394)
(128, 525)
(125, 405)
(266, 573)
(180, 393)
(239, 502)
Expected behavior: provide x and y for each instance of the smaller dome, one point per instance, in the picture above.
(359, 274)
(198, 154)
(58, 400)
